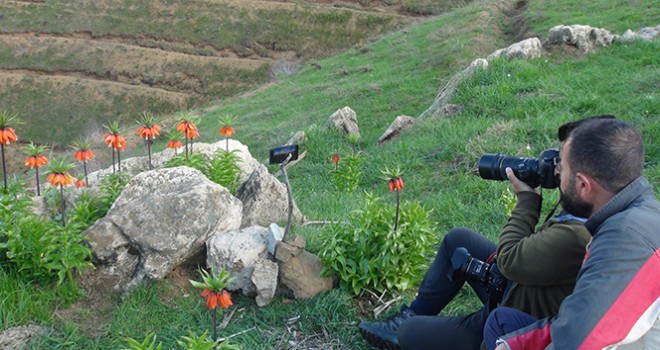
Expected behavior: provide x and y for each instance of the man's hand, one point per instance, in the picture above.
(517, 185)
(502, 346)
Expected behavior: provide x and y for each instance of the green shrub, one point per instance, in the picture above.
(29, 245)
(224, 169)
(43, 249)
(193, 160)
(348, 173)
(87, 209)
(15, 203)
(367, 253)
(111, 187)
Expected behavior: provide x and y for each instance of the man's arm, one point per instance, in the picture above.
(545, 258)
(616, 288)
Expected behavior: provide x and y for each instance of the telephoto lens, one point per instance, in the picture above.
(533, 171)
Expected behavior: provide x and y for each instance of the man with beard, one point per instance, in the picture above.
(616, 301)
(541, 265)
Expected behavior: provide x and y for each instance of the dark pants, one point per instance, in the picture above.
(502, 321)
(429, 331)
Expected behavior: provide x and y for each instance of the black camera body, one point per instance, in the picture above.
(532, 171)
(464, 266)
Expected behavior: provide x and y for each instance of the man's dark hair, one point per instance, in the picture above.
(609, 150)
(565, 130)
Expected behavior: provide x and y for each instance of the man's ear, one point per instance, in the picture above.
(585, 186)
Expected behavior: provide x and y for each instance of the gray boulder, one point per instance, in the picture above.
(264, 278)
(400, 124)
(585, 38)
(438, 108)
(301, 275)
(161, 220)
(526, 49)
(646, 34)
(237, 252)
(265, 200)
(18, 338)
(345, 120)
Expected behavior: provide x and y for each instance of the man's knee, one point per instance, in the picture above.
(457, 237)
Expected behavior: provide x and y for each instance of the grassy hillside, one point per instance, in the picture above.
(81, 63)
(513, 107)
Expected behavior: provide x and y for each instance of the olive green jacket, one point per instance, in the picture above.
(542, 264)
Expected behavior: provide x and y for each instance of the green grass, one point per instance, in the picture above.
(513, 107)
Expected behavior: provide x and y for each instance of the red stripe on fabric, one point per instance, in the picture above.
(535, 339)
(491, 257)
(641, 292)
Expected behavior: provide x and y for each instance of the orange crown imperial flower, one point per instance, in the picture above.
(174, 144)
(394, 180)
(83, 155)
(36, 161)
(213, 288)
(113, 138)
(60, 179)
(227, 131)
(335, 158)
(83, 151)
(7, 136)
(148, 132)
(80, 183)
(148, 128)
(115, 141)
(213, 299)
(188, 129)
(224, 300)
(35, 155)
(396, 184)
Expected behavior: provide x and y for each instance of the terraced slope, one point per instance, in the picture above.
(76, 64)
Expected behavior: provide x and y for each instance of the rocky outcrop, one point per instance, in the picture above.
(161, 220)
(265, 200)
(585, 38)
(345, 121)
(526, 49)
(18, 338)
(447, 93)
(401, 124)
(244, 254)
(236, 252)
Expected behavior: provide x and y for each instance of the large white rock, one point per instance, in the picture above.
(526, 49)
(161, 220)
(585, 38)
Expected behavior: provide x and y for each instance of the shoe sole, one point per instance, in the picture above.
(377, 341)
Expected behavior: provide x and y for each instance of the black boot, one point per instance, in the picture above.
(382, 335)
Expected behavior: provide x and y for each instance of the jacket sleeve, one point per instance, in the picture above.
(616, 290)
(547, 257)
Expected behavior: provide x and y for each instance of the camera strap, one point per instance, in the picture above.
(552, 212)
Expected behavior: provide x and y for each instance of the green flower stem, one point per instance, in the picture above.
(36, 170)
(4, 166)
(62, 201)
(148, 141)
(85, 170)
(396, 216)
(215, 325)
(113, 160)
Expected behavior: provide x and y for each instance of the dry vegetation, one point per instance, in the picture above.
(76, 64)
